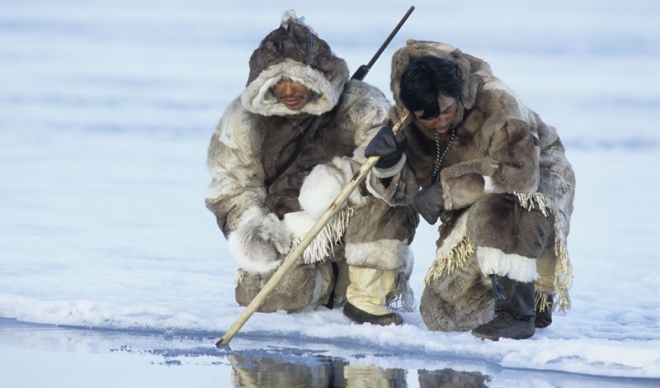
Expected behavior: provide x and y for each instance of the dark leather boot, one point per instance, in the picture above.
(543, 302)
(359, 316)
(514, 311)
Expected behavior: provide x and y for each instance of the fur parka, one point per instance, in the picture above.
(503, 157)
(257, 134)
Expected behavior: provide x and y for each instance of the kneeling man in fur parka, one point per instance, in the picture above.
(266, 194)
(497, 177)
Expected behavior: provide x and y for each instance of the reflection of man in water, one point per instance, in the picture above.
(291, 371)
(300, 371)
(295, 371)
(371, 376)
(449, 378)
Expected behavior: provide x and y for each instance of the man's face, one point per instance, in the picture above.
(440, 124)
(292, 94)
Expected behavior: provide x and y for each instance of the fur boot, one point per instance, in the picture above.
(514, 311)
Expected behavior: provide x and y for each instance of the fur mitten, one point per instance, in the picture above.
(323, 185)
(259, 241)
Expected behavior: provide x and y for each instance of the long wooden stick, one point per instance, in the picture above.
(293, 256)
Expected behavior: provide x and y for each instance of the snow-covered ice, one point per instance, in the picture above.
(110, 263)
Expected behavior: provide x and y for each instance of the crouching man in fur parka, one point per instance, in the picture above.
(497, 177)
(362, 256)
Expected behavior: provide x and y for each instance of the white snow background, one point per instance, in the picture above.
(106, 110)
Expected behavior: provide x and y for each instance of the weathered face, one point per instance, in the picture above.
(292, 94)
(440, 124)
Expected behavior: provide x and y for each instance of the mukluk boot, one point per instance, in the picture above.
(514, 311)
(367, 296)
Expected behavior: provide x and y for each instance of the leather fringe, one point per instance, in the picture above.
(404, 301)
(563, 277)
(447, 264)
(541, 301)
(329, 238)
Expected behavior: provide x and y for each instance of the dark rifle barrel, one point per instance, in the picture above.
(362, 71)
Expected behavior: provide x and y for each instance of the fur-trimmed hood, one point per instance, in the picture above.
(294, 50)
(471, 70)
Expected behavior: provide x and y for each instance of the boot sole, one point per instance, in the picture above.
(496, 338)
(485, 337)
(356, 315)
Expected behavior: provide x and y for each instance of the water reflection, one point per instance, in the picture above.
(313, 371)
(264, 362)
(449, 378)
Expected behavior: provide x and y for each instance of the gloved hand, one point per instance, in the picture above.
(259, 241)
(387, 146)
(428, 202)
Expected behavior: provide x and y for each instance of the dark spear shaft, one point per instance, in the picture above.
(362, 71)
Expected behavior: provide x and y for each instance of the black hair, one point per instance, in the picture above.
(424, 79)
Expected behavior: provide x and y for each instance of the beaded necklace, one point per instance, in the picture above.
(438, 157)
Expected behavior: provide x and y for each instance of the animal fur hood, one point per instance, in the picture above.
(294, 50)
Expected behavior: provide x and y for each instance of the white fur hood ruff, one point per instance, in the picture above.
(294, 50)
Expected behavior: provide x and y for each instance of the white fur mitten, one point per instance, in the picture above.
(323, 185)
(259, 241)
